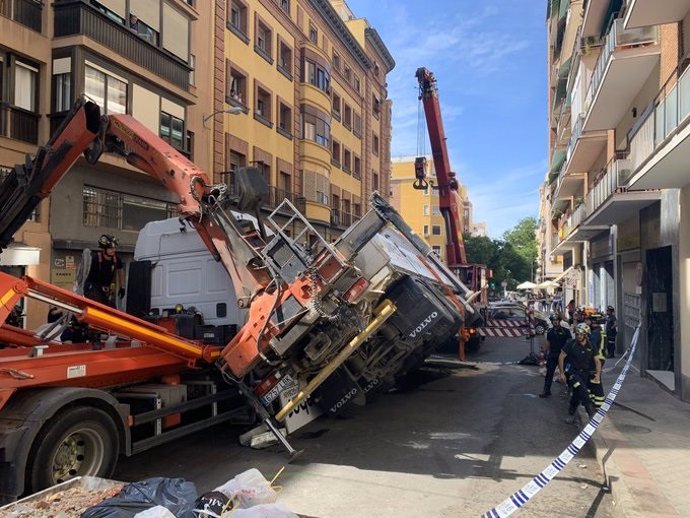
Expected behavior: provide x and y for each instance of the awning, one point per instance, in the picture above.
(557, 160)
(20, 255)
(566, 272)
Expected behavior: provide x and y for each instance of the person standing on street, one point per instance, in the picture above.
(570, 308)
(580, 355)
(597, 337)
(105, 273)
(611, 331)
(556, 338)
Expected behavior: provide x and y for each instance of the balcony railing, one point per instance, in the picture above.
(342, 219)
(667, 113)
(616, 38)
(275, 195)
(77, 17)
(614, 179)
(26, 12)
(19, 124)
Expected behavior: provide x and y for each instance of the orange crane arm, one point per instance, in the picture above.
(447, 183)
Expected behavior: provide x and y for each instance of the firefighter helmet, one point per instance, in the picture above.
(582, 329)
(107, 241)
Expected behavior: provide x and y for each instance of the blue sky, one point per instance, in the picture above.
(489, 58)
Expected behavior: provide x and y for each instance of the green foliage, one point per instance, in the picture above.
(512, 259)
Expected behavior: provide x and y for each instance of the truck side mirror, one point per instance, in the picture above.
(252, 188)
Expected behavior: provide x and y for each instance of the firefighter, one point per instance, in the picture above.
(597, 338)
(105, 273)
(580, 355)
(556, 338)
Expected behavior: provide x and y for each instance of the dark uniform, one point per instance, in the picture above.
(557, 337)
(596, 388)
(99, 283)
(611, 332)
(581, 359)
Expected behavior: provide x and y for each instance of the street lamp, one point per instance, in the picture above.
(233, 110)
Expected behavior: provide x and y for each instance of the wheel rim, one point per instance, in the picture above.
(81, 452)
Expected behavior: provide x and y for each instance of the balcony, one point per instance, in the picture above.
(18, 124)
(275, 195)
(623, 67)
(610, 202)
(660, 143)
(583, 148)
(642, 13)
(594, 17)
(27, 12)
(341, 218)
(73, 17)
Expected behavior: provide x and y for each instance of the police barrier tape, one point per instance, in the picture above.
(503, 331)
(522, 496)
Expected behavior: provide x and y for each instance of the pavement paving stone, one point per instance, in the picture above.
(644, 448)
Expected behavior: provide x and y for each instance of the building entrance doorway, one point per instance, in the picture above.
(659, 299)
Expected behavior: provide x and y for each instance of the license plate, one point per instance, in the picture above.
(272, 394)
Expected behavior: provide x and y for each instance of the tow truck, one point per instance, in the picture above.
(333, 322)
(474, 276)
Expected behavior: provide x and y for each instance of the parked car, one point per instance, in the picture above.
(518, 312)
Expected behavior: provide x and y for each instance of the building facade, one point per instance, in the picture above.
(310, 79)
(128, 57)
(618, 185)
(420, 208)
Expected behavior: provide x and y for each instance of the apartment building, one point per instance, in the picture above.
(128, 57)
(618, 189)
(420, 208)
(310, 81)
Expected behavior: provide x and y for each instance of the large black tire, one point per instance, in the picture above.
(540, 328)
(77, 441)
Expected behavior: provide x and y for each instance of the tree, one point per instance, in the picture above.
(523, 238)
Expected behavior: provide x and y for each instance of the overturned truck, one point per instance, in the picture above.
(324, 324)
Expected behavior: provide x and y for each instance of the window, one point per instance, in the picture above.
(336, 60)
(357, 84)
(263, 40)
(336, 106)
(347, 160)
(235, 160)
(238, 18)
(172, 130)
(375, 181)
(426, 230)
(313, 34)
(348, 73)
(317, 75)
(347, 116)
(335, 153)
(376, 106)
(285, 119)
(106, 90)
(436, 230)
(285, 5)
(237, 86)
(175, 32)
(435, 210)
(357, 210)
(25, 92)
(285, 59)
(285, 182)
(192, 66)
(144, 31)
(262, 108)
(316, 126)
(116, 210)
(357, 125)
(335, 213)
(426, 210)
(375, 144)
(62, 92)
(357, 171)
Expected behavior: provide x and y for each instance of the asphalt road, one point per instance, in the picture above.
(454, 443)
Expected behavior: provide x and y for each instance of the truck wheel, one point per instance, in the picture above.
(540, 328)
(76, 442)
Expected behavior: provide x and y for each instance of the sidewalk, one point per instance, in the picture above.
(643, 448)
